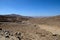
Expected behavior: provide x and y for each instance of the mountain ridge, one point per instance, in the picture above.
(13, 17)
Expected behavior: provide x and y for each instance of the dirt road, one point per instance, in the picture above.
(54, 30)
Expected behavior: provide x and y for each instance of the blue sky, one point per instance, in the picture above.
(30, 7)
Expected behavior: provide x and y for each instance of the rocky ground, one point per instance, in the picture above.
(25, 31)
(7, 35)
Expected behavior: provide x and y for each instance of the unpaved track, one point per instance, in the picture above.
(54, 30)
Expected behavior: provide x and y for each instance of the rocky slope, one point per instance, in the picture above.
(29, 31)
(15, 27)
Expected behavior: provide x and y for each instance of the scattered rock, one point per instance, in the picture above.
(18, 33)
(54, 35)
(6, 36)
(19, 38)
(0, 28)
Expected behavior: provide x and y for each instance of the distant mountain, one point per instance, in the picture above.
(13, 18)
(13, 15)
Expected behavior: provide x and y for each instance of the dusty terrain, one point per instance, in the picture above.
(31, 29)
(53, 29)
(52, 21)
(32, 32)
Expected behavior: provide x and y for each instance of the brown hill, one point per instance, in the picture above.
(30, 30)
(13, 18)
(54, 20)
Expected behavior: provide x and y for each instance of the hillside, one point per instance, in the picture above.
(13, 18)
(53, 20)
(29, 28)
(31, 32)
